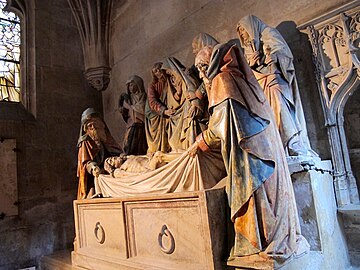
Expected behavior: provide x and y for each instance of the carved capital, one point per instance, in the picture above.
(92, 19)
(98, 77)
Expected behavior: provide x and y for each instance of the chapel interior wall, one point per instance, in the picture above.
(47, 151)
(145, 32)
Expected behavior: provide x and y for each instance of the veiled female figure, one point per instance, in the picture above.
(258, 184)
(271, 60)
(132, 108)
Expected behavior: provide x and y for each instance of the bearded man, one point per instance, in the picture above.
(95, 144)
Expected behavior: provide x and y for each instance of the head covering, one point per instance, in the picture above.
(175, 67)
(201, 40)
(85, 117)
(227, 58)
(266, 38)
(110, 143)
(253, 26)
(139, 83)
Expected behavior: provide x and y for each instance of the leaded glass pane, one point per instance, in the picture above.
(9, 55)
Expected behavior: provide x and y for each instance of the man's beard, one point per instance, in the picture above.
(98, 136)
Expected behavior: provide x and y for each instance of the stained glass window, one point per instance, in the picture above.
(9, 55)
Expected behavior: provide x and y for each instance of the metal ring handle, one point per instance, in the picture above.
(99, 233)
(165, 231)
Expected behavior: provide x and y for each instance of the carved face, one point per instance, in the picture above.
(202, 67)
(132, 87)
(95, 128)
(244, 35)
(158, 73)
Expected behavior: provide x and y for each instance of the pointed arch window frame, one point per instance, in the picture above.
(25, 10)
(10, 51)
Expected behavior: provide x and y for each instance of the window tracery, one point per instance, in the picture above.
(9, 55)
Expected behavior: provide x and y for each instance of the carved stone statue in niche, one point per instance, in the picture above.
(271, 60)
(132, 108)
(173, 119)
(258, 184)
(95, 144)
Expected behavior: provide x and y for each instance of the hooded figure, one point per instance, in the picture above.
(202, 40)
(95, 144)
(258, 184)
(271, 60)
(172, 119)
(132, 107)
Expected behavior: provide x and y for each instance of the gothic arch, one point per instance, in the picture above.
(25, 10)
(333, 38)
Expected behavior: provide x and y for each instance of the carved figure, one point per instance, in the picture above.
(132, 108)
(157, 111)
(200, 41)
(172, 120)
(258, 183)
(271, 60)
(95, 144)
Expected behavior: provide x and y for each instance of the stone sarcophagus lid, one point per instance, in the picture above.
(168, 231)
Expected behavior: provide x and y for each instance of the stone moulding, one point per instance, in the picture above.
(333, 37)
(92, 19)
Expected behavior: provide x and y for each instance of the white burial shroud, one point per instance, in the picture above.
(183, 174)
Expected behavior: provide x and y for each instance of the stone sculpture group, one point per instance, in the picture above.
(229, 120)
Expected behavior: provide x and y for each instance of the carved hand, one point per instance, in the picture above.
(96, 171)
(254, 58)
(190, 95)
(192, 151)
(270, 58)
(169, 112)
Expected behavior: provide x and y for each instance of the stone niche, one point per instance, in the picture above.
(169, 231)
(8, 184)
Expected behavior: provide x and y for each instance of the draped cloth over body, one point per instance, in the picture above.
(259, 188)
(182, 174)
(278, 79)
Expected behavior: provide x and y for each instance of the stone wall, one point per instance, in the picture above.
(144, 32)
(352, 129)
(46, 142)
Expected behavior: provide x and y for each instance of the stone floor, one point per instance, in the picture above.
(58, 261)
(62, 261)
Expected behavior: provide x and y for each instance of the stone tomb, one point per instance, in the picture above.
(188, 230)
(169, 231)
